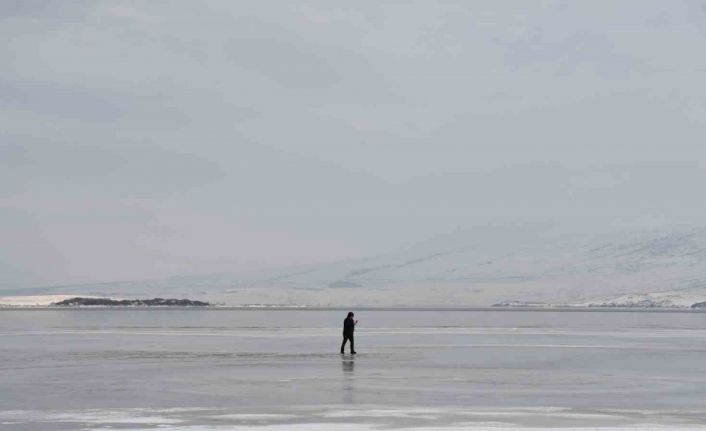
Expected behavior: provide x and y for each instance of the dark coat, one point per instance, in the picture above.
(348, 326)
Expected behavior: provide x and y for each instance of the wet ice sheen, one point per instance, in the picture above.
(277, 369)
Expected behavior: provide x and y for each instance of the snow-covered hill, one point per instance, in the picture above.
(505, 264)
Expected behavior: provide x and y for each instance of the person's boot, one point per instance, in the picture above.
(353, 353)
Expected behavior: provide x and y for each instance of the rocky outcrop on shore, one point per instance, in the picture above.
(108, 302)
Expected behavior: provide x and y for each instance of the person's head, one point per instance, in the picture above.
(350, 314)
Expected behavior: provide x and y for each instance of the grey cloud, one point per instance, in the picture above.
(45, 98)
(137, 170)
(283, 62)
(181, 137)
(37, 8)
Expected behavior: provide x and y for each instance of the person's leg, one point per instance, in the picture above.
(344, 343)
(352, 345)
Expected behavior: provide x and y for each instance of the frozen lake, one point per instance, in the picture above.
(198, 369)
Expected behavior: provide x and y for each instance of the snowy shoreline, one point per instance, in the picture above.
(77, 301)
(49, 302)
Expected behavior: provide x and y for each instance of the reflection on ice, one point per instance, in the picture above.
(280, 370)
(348, 367)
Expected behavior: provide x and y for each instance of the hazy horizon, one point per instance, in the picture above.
(145, 140)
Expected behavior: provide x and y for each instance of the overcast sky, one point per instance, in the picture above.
(147, 139)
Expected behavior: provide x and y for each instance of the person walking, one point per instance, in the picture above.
(348, 328)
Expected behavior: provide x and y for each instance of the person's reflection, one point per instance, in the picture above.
(348, 368)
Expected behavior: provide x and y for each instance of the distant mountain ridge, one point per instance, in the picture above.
(537, 264)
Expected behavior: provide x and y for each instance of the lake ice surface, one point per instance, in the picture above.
(271, 370)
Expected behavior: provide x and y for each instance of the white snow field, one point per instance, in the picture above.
(515, 265)
(32, 300)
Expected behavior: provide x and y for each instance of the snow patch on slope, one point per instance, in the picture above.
(536, 264)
